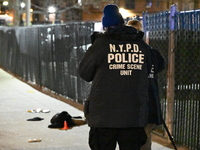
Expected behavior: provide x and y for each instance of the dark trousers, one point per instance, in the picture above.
(107, 138)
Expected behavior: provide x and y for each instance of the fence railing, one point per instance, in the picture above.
(177, 36)
(48, 56)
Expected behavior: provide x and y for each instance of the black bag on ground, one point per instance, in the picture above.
(57, 121)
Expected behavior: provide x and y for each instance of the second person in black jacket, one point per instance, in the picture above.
(154, 113)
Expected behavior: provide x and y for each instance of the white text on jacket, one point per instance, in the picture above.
(125, 57)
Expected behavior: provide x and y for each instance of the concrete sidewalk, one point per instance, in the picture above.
(16, 98)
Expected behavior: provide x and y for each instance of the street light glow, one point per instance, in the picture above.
(80, 2)
(125, 13)
(22, 5)
(51, 9)
(5, 3)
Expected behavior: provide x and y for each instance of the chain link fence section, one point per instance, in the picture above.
(187, 85)
(186, 111)
(156, 28)
(48, 56)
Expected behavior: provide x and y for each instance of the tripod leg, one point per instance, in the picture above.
(170, 136)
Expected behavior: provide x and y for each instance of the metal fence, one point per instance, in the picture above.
(48, 56)
(185, 65)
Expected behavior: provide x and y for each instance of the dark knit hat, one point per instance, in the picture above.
(111, 16)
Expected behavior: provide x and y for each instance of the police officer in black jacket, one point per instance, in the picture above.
(118, 64)
(158, 64)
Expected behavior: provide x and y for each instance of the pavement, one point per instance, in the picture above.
(16, 98)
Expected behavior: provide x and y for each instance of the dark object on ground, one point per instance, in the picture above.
(57, 121)
(35, 119)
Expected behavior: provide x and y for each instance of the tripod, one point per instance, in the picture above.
(170, 136)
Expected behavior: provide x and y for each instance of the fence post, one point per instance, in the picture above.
(170, 73)
(28, 6)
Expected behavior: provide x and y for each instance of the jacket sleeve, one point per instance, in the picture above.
(158, 61)
(87, 67)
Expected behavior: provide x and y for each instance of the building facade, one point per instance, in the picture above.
(132, 8)
(56, 11)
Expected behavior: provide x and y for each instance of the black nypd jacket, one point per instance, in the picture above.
(118, 64)
(158, 64)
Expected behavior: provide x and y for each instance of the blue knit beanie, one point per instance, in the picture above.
(111, 16)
